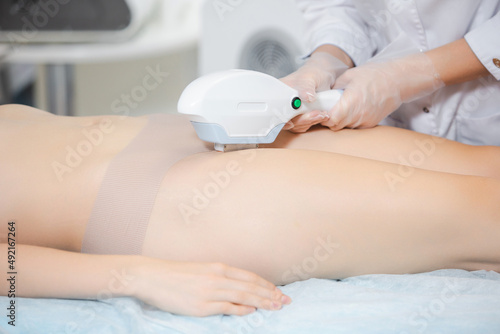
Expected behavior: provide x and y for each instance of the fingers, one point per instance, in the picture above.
(202, 289)
(253, 292)
(355, 111)
(246, 281)
(307, 93)
(339, 115)
(288, 125)
(305, 86)
(226, 308)
(337, 119)
(302, 123)
(250, 297)
(234, 273)
(242, 287)
(343, 80)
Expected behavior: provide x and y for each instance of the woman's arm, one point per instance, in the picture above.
(198, 289)
(376, 89)
(456, 63)
(337, 53)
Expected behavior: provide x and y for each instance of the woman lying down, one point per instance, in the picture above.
(116, 206)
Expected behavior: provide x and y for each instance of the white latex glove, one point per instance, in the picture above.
(374, 90)
(203, 289)
(318, 74)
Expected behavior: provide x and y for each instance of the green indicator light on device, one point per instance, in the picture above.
(296, 103)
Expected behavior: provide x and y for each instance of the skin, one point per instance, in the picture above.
(320, 204)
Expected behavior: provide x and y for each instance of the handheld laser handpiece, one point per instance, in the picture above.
(238, 109)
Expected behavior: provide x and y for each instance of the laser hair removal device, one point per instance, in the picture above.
(239, 109)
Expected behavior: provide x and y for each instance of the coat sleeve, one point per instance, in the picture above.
(485, 43)
(336, 22)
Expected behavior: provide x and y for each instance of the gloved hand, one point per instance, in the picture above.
(374, 90)
(317, 74)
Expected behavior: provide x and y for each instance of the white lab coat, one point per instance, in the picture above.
(468, 112)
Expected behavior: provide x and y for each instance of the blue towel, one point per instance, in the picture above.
(443, 301)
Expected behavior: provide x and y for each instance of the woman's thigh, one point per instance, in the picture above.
(399, 146)
(292, 214)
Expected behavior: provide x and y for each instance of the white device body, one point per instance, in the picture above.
(244, 107)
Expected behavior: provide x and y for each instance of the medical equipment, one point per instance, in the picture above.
(238, 109)
(259, 35)
(23, 21)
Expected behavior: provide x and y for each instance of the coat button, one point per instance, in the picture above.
(496, 61)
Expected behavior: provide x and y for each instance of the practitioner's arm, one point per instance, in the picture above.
(402, 80)
(456, 62)
(364, 105)
(197, 289)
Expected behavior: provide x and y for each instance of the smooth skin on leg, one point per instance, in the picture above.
(284, 203)
(279, 208)
(50, 216)
(399, 146)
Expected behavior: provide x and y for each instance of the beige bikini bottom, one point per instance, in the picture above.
(120, 215)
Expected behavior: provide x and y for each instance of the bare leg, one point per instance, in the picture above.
(284, 214)
(291, 214)
(401, 147)
(277, 206)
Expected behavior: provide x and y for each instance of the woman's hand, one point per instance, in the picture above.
(318, 73)
(374, 90)
(203, 289)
